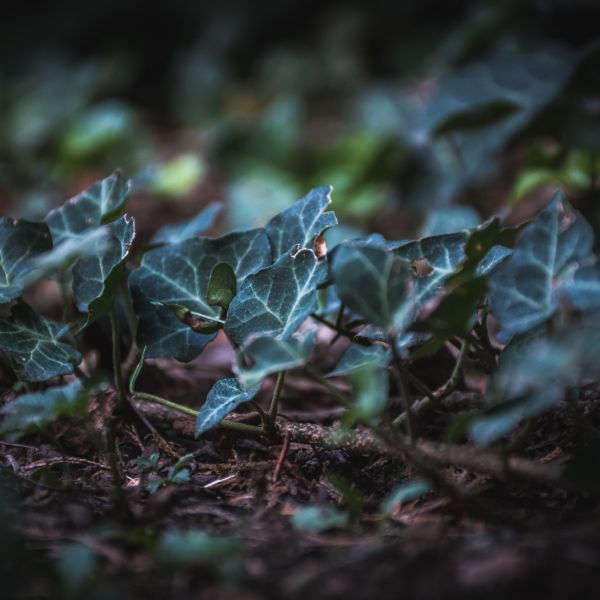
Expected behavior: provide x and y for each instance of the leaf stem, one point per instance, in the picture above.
(186, 410)
(318, 376)
(400, 372)
(116, 355)
(347, 333)
(275, 399)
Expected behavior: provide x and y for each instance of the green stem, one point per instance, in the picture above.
(317, 376)
(116, 355)
(186, 410)
(343, 331)
(275, 400)
(132, 321)
(419, 385)
(400, 372)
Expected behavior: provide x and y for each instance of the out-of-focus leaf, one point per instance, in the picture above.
(374, 283)
(20, 241)
(179, 275)
(301, 223)
(34, 345)
(195, 547)
(315, 519)
(370, 392)
(203, 221)
(272, 355)
(406, 492)
(524, 288)
(356, 357)
(225, 395)
(32, 412)
(276, 300)
(177, 177)
(450, 220)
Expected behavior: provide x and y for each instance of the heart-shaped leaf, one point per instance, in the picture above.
(34, 345)
(373, 282)
(301, 223)
(20, 241)
(101, 203)
(524, 288)
(32, 412)
(272, 355)
(276, 300)
(178, 275)
(204, 220)
(96, 276)
(226, 395)
(356, 357)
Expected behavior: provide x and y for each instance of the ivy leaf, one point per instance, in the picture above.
(272, 355)
(33, 343)
(524, 288)
(301, 223)
(373, 282)
(226, 395)
(179, 275)
(222, 286)
(276, 300)
(101, 203)
(97, 275)
(174, 234)
(20, 241)
(356, 357)
(32, 412)
(584, 289)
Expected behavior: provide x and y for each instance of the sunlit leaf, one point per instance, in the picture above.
(225, 395)
(35, 345)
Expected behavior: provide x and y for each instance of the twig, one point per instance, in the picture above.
(282, 454)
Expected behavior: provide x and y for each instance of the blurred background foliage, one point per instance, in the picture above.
(403, 107)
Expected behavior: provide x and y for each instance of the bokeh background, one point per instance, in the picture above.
(403, 106)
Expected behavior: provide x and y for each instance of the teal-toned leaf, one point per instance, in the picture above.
(584, 289)
(96, 276)
(34, 345)
(20, 241)
(222, 286)
(272, 355)
(315, 519)
(356, 357)
(195, 547)
(178, 275)
(450, 220)
(370, 392)
(225, 395)
(31, 412)
(301, 223)
(101, 203)
(276, 300)
(524, 288)
(203, 221)
(374, 283)
(407, 492)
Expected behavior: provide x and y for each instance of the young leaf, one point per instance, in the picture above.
(276, 300)
(20, 241)
(34, 411)
(226, 395)
(524, 288)
(178, 275)
(301, 223)
(271, 355)
(101, 203)
(34, 345)
(174, 234)
(356, 357)
(374, 283)
(222, 286)
(96, 276)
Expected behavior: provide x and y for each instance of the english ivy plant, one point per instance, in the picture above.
(268, 289)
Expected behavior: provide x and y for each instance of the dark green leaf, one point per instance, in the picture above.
(276, 300)
(222, 286)
(20, 241)
(177, 275)
(374, 283)
(225, 395)
(524, 288)
(99, 204)
(272, 355)
(301, 223)
(204, 220)
(31, 412)
(34, 345)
